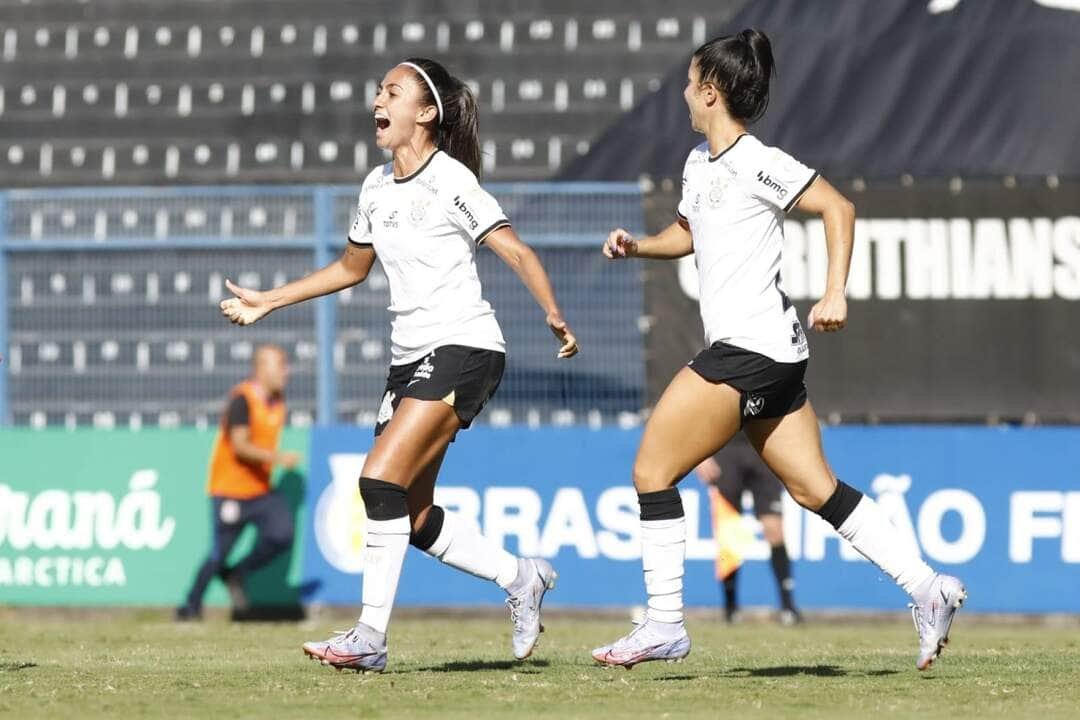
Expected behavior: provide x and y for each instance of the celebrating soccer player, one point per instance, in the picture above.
(423, 214)
(735, 193)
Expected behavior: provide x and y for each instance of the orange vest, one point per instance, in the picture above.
(231, 477)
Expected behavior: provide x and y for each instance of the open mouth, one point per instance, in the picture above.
(381, 122)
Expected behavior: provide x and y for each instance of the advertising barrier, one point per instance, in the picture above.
(1000, 507)
(120, 518)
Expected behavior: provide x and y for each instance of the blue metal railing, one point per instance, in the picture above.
(90, 220)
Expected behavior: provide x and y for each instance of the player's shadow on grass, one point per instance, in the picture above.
(274, 596)
(15, 666)
(521, 666)
(812, 670)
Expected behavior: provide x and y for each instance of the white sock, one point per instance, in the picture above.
(870, 532)
(663, 551)
(460, 545)
(384, 554)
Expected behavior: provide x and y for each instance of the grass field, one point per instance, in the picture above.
(140, 664)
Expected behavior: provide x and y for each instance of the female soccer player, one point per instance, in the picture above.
(423, 214)
(735, 192)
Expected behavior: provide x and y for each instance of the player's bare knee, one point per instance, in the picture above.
(812, 497)
(651, 479)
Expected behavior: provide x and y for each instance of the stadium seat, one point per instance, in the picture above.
(238, 96)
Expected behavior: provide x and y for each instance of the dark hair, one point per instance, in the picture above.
(740, 66)
(458, 133)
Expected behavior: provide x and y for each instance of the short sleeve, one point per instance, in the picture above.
(683, 210)
(360, 232)
(475, 210)
(781, 180)
(238, 414)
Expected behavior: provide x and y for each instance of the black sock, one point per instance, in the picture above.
(661, 505)
(840, 504)
(781, 567)
(426, 536)
(383, 500)
(731, 583)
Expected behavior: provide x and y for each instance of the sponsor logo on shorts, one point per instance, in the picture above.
(754, 405)
(423, 370)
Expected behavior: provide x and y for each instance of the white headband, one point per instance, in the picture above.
(431, 85)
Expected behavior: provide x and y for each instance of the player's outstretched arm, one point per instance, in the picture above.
(521, 258)
(838, 215)
(674, 241)
(250, 305)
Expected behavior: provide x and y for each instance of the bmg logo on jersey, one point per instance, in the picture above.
(780, 190)
(464, 210)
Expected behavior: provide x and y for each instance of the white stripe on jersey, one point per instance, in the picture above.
(735, 204)
(425, 229)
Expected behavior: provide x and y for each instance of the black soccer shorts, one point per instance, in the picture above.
(767, 389)
(463, 377)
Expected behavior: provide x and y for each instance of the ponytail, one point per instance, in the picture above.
(740, 66)
(457, 131)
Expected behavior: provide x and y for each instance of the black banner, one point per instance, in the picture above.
(970, 88)
(962, 306)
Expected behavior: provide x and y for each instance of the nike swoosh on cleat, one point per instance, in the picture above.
(349, 658)
(622, 660)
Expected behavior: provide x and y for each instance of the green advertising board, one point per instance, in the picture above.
(119, 517)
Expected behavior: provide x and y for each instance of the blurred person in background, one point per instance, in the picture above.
(729, 474)
(245, 453)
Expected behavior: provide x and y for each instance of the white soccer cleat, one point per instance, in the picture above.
(933, 615)
(535, 578)
(362, 649)
(643, 644)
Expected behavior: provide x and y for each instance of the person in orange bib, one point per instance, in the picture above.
(245, 452)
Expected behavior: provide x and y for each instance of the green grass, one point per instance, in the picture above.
(139, 664)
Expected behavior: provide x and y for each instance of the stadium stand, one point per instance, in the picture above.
(112, 302)
(114, 91)
(111, 296)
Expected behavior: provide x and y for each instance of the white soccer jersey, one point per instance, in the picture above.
(735, 205)
(425, 229)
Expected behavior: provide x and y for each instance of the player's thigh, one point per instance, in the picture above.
(418, 432)
(692, 420)
(422, 491)
(791, 447)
